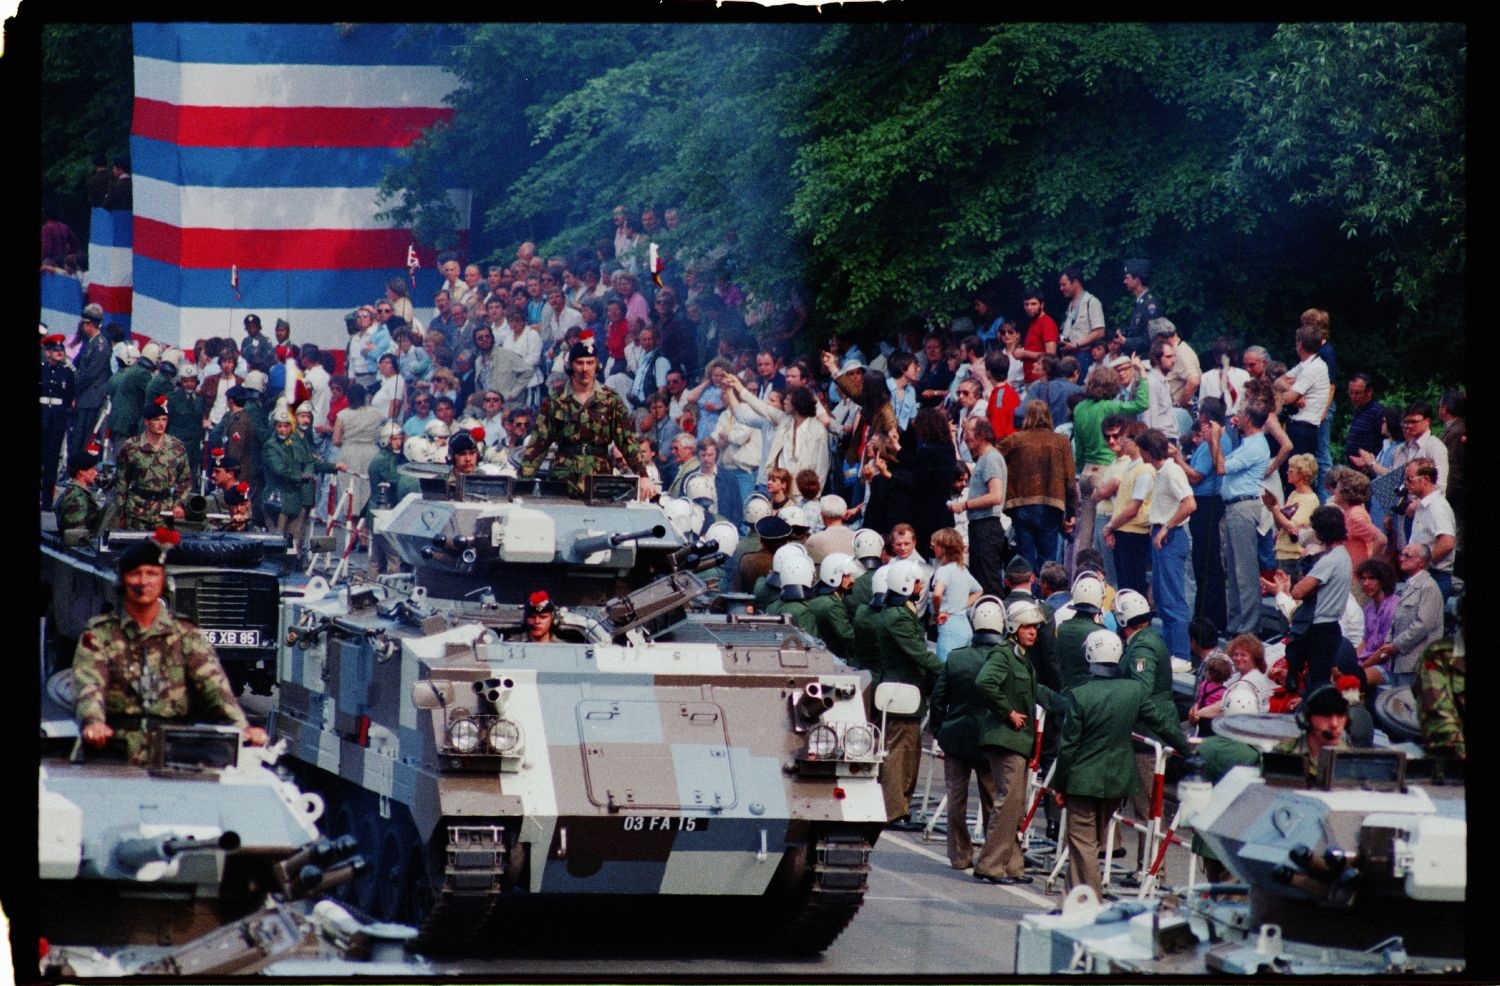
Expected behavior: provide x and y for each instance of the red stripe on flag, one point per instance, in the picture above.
(275, 126)
(114, 300)
(274, 249)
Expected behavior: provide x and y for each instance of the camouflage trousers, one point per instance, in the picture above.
(576, 469)
(138, 513)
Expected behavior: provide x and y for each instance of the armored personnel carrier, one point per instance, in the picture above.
(162, 853)
(650, 756)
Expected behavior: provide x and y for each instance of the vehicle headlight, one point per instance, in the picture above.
(822, 741)
(859, 742)
(463, 735)
(505, 736)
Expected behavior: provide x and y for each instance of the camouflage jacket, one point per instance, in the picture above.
(151, 480)
(123, 669)
(582, 434)
(1440, 698)
(76, 507)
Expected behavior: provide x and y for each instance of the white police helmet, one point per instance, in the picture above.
(880, 584)
(726, 534)
(1088, 591)
(1241, 699)
(1024, 613)
(988, 614)
(1103, 647)
(1130, 605)
(868, 544)
(679, 513)
(699, 487)
(387, 432)
(797, 572)
(904, 576)
(835, 566)
(756, 507)
(437, 428)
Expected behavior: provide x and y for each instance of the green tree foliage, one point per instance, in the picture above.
(86, 106)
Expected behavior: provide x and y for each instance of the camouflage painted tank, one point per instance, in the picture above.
(654, 755)
(162, 853)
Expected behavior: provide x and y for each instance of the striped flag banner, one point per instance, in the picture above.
(258, 149)
(110, 263)
(62, 303)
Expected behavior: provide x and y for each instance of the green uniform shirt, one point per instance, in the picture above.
(1146, 658)
(76, 507)
(904, 656)
(834, 626)
(290, 467)
(1095, 757)
(960, 717)
(127, 397)
(1008, 683)
(1072, 662)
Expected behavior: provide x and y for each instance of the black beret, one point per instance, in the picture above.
(773, 528)
(1018, 567)
(146, 552)
(1327, 701)
(462, 442)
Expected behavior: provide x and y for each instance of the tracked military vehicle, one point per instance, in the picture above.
(654, 756)
(159, 854)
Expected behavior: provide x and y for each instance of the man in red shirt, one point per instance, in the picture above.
(1002, 399)
(1041, 334)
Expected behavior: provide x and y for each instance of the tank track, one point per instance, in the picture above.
(475, 860)
(840, 876)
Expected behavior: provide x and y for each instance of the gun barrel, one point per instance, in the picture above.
(603, 542)
(132, 854)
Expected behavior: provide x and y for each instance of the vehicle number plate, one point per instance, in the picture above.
(232, 638)
(662, 823)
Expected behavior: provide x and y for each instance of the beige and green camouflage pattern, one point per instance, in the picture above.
(121, 668)
(151, 480)
(1440, 698)
(564, 421)
(76, 507)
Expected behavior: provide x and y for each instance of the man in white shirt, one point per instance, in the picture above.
(1186, 373)
(525, 343)
(1158, 413)
(557, 318)
(1172, 502)
(1306, 389)
(1433, 522)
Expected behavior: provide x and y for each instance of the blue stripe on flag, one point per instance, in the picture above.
(296, 44)
(254, 167)
(197, 288)
(110, 228)
(64, 294)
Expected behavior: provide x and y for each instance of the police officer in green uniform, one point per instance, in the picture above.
(866, 624)
(185, 413)
(904, 658)
(1147, 658)
(153, 473)
(582, 423)
(1094, 758)
(797, 578)
(1087, 606)
(127, 397)
(76, 507)
(291, 470)
(968, 728)
(767, 590)
(143, 666)
(1010, 685)
(835, 577)
(868, 549)
(772, 533)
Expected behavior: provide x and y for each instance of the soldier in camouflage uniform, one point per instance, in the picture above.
(1440, 698)
(76, 507)
(153, 474)
(142, 665)
(582, 423)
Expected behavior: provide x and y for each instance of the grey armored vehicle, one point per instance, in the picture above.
(163, 853)
(653, 759)
(1361, 872)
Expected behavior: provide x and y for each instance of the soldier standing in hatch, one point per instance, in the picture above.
(539, 613)
(582, 422)
(141, 665)
(76, 506)
(153, 473)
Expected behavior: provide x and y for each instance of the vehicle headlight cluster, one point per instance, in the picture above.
(842, 741)
(495, 735)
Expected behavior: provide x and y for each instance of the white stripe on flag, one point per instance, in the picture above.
(109, 266)
(184, 326)
(202, 207)
(200, 84)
